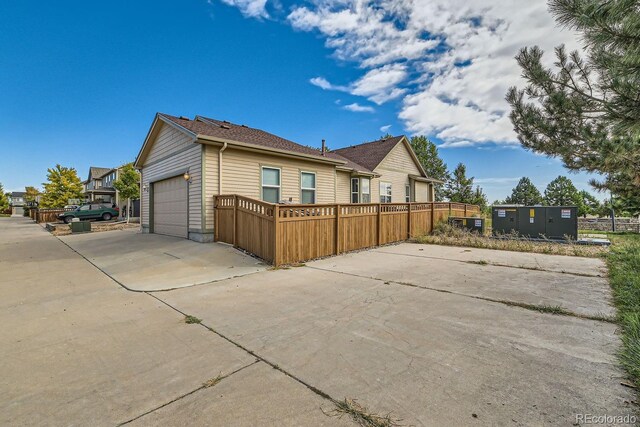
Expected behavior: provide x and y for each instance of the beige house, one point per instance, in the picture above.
(185, 162)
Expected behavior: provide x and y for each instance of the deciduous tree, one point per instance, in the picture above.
(4, 200)
(128, 185)
(62, 184)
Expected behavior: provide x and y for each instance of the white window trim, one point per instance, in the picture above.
(351, 192)
(390, 195)
(263, 185)
(315, 182)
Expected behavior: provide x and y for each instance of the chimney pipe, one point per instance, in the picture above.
(324, 147)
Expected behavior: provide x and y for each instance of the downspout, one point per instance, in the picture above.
(224, 147)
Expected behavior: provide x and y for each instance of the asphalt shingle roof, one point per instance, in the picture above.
(95, 172)
(369, 154)
(241, 133)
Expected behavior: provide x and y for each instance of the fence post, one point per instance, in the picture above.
(465, 210)
(433, 214)
(409, 222)
(379, 237)
(235, 219)
(215, 218)
(337, 229)
(276, 233)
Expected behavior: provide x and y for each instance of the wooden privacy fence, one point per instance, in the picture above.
(46, 215)
(287, 234)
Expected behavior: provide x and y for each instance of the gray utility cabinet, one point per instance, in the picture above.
(551, 222)
(469, 223)
(504, 219)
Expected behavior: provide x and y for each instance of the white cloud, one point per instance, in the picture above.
(357, 108)
(449, 61)
(250, 8)
(378, 85)
(385, 128)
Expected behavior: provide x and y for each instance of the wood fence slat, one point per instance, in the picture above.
(287, 234)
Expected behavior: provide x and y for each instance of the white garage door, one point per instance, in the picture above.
(170, 207)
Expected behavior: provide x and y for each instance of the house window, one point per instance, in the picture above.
(385, 192)
(355, 190)
(271, 185)
(308, 187)
(407, 193)
(365, 190)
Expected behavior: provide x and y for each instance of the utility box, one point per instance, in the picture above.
(562, 222)
(80, 226)
(536, 222)
(532, 221)
(504, 219)
(469, 223)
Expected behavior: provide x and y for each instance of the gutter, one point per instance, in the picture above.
(253, 147)
(224, 147)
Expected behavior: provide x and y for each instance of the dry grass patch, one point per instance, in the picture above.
(445, 234)
(361, 415)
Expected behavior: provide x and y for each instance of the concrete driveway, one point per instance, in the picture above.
(431, 335)
(152, 262)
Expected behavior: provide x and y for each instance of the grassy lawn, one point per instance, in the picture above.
(624, 276)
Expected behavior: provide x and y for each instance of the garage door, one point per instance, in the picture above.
(170, 207)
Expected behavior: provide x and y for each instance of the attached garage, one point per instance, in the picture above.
(170, 207)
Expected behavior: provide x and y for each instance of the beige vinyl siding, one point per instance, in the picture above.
(241, 174)
(211, 181)
(177, 156)
(395, 169)
(169, 140)
(343, 187)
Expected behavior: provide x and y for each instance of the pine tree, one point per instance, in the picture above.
(525, 193)
(587, 111)
(433, 165)
(589, 205)
(128, 185)
(63, 184)
(562, 192)
(479, 198)
(4, 200)
(459, 188)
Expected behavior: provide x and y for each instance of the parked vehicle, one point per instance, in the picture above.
(102, 211)
(71, 207)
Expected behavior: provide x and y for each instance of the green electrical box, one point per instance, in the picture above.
(80, 226)
(532, 221)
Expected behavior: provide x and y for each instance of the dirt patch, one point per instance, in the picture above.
(59, 229)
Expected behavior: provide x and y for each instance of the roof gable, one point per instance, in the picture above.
(370, 154)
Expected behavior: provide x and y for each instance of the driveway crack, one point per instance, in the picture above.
(202, 387)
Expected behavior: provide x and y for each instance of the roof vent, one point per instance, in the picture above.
(184, 118)
(225, 126)
(244, 126)
(226, 121)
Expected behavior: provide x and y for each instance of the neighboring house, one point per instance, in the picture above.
(184, 163)
(99, 187)
(17, 202)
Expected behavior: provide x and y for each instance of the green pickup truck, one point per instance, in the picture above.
(102, 211)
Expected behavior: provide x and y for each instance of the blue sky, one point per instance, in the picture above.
(80, 84)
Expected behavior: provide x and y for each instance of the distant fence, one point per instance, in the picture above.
(287, 234)
(46, 215)
(604, 224)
